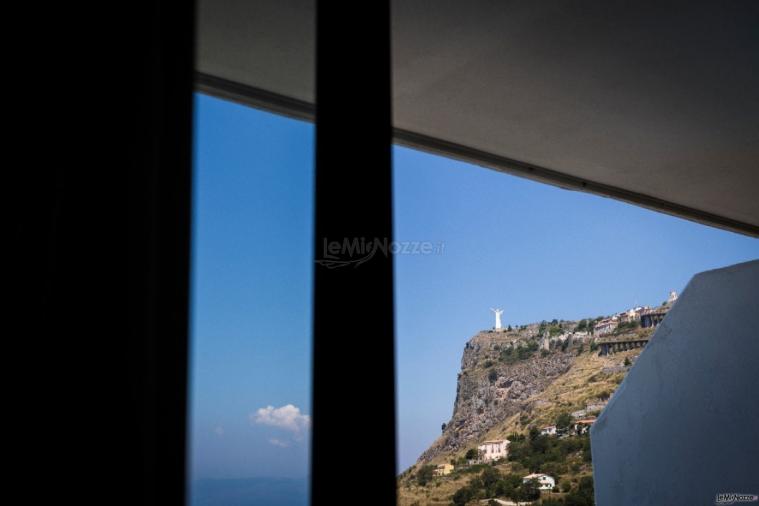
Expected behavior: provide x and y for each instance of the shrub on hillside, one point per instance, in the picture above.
(563, 420)
(425, 474)
(583, 496)
(462, 496)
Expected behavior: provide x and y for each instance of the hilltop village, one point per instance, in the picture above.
(526, 398)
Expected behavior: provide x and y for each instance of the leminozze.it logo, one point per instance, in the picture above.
(732, 498)
(355, 251)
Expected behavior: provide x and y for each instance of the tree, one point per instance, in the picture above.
(424, 475)
(490, 478)
(442, 428)
(583, 496)
(462, 496)
(586, 485)
(563, 421)
(471, 454)
(527, 492)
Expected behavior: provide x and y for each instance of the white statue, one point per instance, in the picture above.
(672, 297)
(498, 313)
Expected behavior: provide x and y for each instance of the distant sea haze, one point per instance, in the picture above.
(249, 492)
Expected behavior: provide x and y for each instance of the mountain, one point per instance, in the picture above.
(510, 384)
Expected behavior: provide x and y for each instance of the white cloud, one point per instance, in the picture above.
(287, 417)
(279, 442)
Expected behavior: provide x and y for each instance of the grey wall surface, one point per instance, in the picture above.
(684, 424)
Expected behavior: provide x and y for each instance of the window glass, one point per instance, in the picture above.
(559, 271)
(251, 307)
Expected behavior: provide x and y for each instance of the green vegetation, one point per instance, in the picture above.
(553, 329)
(492, 483)
(583, 326)
(625, 327)
(563, 421)
(583, 496)
(424, 475)
(512, 354)
(537, 453)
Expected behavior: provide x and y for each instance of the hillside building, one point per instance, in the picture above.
(494, 450)
(605, 326)
(628, 316)
(583, 426)
(443, 470)
(548, 431)
(543, 481)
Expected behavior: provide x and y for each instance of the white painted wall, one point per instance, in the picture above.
(544, 481)
(493, 450)
(684, 424)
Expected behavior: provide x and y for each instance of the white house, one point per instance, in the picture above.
(543, 481)
(494, 450)
(548, 431)
(605, 326)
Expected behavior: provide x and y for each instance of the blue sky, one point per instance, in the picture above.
(251, 290)
(537, 251)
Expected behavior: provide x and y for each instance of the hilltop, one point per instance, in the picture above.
(511, 384)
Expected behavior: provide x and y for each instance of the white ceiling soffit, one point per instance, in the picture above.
(652, 103)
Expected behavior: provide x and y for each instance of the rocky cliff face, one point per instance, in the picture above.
(493, 385)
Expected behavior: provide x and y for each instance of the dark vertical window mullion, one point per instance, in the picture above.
(353, 440)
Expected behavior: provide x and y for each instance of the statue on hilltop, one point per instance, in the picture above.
(498, 313)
